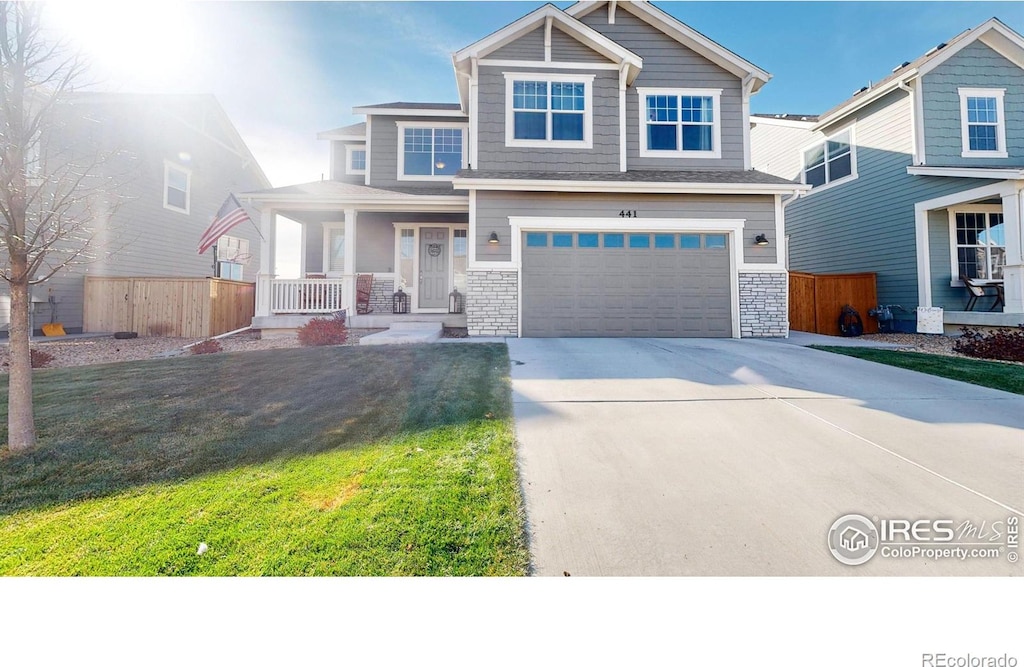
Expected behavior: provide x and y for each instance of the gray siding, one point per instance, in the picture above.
(943, 296)
(670, 64)
(493, 154)
(868, 224)
(384, 146)
(314, 249)
(338, 162)
(142, 238)
(976, 66)
(494, 208)
(775, 149)
(528, 47)
(564, 48)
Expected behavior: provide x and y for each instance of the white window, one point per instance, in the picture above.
(232, 256)
(680, 122)
(548, 110)
(177, 187)
(355, 159)
(830, 161)
(982, 124)
(334, 249)
(978, 243)
(430, 151)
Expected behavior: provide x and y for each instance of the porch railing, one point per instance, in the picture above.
(309, 295)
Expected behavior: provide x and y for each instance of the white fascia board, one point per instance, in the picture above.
(990, 25)
(968, 172)
(335, 136)
(457, 203)
(408, 111)
(863, 99)
(512, 185)
(686, 36)
(783, 122)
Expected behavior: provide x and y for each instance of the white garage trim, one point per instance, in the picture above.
(732, 227)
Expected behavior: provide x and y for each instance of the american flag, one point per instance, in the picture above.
(230, 214)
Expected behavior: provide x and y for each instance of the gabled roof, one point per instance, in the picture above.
(683, 34)
(993, 33)
(583, 33)
(349, 132)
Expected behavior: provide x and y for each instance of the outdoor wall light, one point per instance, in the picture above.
(493, 240)
(439, 164)
(760, 239)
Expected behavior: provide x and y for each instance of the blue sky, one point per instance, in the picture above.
(286, 70)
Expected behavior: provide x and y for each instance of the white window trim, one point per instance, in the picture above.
(820, 142)
(402, 125)
(349, 150)
(168, 165)
(562, 144)
(716, 127)
(965, 142)
(413, 291)
(326, 265)
(954, 259)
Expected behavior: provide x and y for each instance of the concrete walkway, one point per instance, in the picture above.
(734, 457)
(805, 339)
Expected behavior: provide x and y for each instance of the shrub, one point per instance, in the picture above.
(40, 359)
(206, 347)
(323, 331)
(1003, 344)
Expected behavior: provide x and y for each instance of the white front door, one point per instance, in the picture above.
(433, 278)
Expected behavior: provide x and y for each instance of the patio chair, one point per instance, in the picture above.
(364, 284)
(977, 290)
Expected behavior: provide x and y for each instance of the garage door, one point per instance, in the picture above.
(624, 284)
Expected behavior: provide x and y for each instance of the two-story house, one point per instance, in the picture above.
(594, 179)
(917, 178)
(175, 159)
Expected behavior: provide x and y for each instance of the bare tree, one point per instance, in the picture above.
(53, 188)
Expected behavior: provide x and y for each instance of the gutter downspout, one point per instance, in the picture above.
(902, 85)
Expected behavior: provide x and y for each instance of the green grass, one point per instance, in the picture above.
(319, 461)
(992, 374)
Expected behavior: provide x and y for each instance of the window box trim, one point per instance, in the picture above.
(168, 166)
(716, 126)
(349, 150)
(965, 141)
(852, 176)
(402, 125)
(562, 144)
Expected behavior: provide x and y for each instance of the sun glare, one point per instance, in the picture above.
(133, 43)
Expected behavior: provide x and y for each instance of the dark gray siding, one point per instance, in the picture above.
(670, 64)
(976, 66)
(494, 208)
(384, 146)
(338, 162)
(493, 154)
(867, 224)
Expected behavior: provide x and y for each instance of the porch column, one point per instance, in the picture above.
(1013, 273)
(268, 254)
(350, 255)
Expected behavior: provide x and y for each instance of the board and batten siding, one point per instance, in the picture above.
(667, 63)
(868, 224)
(975, 66)
(564, 48)
(384, 146)
(775, 149)
(494, 155)
(493, 210)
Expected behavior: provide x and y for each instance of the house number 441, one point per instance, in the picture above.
(628, 214)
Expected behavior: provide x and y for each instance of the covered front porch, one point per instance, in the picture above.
(380, 255)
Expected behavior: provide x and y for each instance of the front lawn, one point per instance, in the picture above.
(1007, 377)
(319, 461)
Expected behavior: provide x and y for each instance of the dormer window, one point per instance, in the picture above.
(680, 122)
(430, 151)
(548, 110)
(982, 128)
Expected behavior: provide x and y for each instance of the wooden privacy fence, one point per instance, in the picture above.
(183, 307)
(816, 300)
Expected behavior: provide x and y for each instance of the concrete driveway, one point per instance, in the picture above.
(735, 457)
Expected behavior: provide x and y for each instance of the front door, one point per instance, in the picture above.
(433, 267)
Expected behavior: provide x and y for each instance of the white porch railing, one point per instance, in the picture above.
(308, 295)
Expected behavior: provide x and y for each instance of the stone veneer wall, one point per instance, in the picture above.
(492, 307)
(764, 308)
(381, 293)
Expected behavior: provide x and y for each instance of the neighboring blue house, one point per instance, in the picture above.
(917, 178)
(593, 179)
